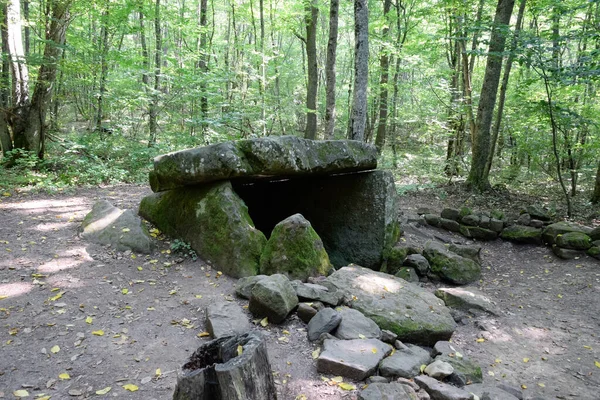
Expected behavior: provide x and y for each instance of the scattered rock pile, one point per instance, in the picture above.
(533, 226)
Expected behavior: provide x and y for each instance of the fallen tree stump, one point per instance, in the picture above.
(228, 368)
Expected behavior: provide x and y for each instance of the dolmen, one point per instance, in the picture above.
(276, 205)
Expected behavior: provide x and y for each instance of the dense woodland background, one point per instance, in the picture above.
(496, 94)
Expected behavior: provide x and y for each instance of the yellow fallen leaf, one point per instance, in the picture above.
(125, 230)
(55, 349)
(240, 349)
(58, 296)
(361, 336)
(3, 297)
(130, 387)
(422, 368)
(301, 397)
(374, 350)
(140, 268)
(264, 322)
(338, 379)
(347, 386)
(203, 334)
(42, 396)
(21, 393)
(150, 309)
(526, 360)
(523, 387)
(64, 376)
(587, 347)
(198, 296)
(315, 354)
(158, 372)
(559, 296)
(541, 385)
(480, 340)
(98, 333)
(491, 373)
(89, 320)
(103, 391)
(597, 364)
(124, 291)
(285, 332)
(497, 361)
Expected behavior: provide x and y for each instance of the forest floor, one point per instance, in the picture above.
(77, 319)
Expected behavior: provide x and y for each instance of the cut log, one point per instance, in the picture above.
(228, 368)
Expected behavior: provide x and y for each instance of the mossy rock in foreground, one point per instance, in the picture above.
(574, 240)
(450, 266)
(522, 234)
(214, 220)
(594, 252)
(295, 249)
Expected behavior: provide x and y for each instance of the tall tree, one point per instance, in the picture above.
(311, 16)
(596, 195)
(384, 66)
(5, 139)
(154, 98)
(330, 69)
(478, 177)
(361, 70)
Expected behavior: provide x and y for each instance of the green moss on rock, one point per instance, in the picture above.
(574, 240)
(522, 234)
(450, 266)
(295, 249)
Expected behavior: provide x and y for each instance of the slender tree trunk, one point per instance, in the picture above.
(596, 195)
(27, 30)
(203, 65)
(311, 17)
(361, 70)
(330, 69)
(504, 86)
(478, 179)
(153, 106)
(103, 69)
(5, 139)
(384, 66)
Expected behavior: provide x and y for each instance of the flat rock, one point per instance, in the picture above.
(560, 228)
(325, 321)
(567, 254)
(355, 359)
(243, 287)
(405, 363)
(218, 228)
(121, 229)
(477, 232)
(466, 298)
(439, 369)
(273, 297)
(226, 318)
(310, 292)
(441, 391)
(412, 313)
(522, 234)
(355, 325)
(282, 156)
(467, 251)
(295, 250)
(574, 240)
(446, 348)
(387, 391)
(450, 266)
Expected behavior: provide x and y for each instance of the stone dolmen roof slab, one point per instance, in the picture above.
(280, 156)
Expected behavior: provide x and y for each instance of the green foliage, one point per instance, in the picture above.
(183, 248)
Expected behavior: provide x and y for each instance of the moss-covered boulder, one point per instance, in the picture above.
(412, 313)
(295, 250)
(408, 274)
(574, 240)
(479, 233)
(121, 229)
(595, 233)
(450, 266)
(394, 260)
(451, 214)
(594, 251)
(253, 158)
(214, 220)
(537, 212)
(560, 228)
(567, 254)
(522, 234)
(273, 297)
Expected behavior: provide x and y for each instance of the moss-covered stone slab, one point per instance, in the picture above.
(466, 298)
(355, 215)
(476, 232)
(522, 234)
(560, 228)
(295, 250)
(450, 266)
(574, 240)
(214, 220)
(407, 310)
(567, 254)
(279, 156)
(121, 229)
(594, 251)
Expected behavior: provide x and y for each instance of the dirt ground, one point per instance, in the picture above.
(76, 319)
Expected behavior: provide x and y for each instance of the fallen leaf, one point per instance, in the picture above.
(158, 372)
(98, 333)
(203, 334)
(361, 336)
(559, 296)
(338, 379)
(301, 397)
(523, 387)
(541, 385)
(130, 387)
(64, 376)
(264, 322)
(374, 350)
(140, 268)
(103, 391)
(58, 296)
(124, 291)
(55, 349)
(21, 393)
(347, 386)
(3, 297)
(198, 296)
(125, 230)
(587, 347)
(240, 349)
(89, 320)
(480, 340)
(526, 360)
(315, 354)
(491, 373)
(597, 364)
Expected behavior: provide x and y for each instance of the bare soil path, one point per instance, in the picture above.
(76, 319)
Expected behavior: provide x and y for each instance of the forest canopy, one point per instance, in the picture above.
(485, 92)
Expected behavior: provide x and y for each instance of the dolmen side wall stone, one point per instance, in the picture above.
(225, 199)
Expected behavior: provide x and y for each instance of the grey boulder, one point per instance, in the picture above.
(226, 318)
(388, 391)
(441, 391)
(355, 359)
(273, 297)
(325, 321)
(354, 325)
(405, 363)
(466, 298)
(450, 266)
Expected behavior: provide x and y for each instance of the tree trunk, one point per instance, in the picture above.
(153, 106)
(203, 65)
(330, 69)
(5, 139)
(596, 195)
(478, 179)
(361, 70)
(384, 65)
(311, 15)
(504, 86)
(228, 368)
(103, 69)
